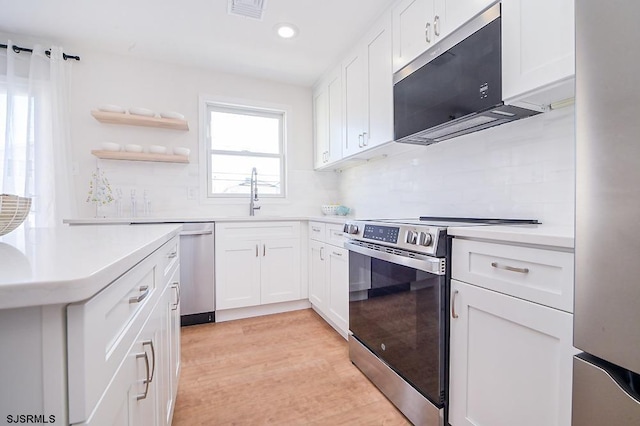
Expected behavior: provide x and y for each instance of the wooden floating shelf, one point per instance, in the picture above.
(140, 156)
(139, 120)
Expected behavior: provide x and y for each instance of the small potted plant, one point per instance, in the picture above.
(100, 192)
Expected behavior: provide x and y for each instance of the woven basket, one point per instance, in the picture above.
(13, 211)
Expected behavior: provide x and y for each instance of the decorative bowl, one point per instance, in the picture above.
(172, 114)
(112, 108)
(329, 209)
(142, 111)
(157, 149)
(13, 211)
(132, 148)
(110, 146)
(178, 150)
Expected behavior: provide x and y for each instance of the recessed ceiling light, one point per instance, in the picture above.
(286, 30)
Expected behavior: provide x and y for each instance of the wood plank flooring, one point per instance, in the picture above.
(283, 369)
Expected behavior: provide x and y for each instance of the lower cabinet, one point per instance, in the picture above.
(124, 347)
(511, 360)
(257, 264)
(329, 276)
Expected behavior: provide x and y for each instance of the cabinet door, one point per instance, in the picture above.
(321, 124)
(511, 360)
(174, 340)
(338, 285)
(455, 13)
(334, 91)
(317, 274)
(237, 273)
(538, 45)
(280, 270)
(412, 30)
(354, 101)
(379, 105)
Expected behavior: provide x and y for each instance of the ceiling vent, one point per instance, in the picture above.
(253, 9)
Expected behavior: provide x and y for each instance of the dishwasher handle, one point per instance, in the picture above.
(207, 232)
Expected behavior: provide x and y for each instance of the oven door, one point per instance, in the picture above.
(397, 309)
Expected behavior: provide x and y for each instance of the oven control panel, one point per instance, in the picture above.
(385, 234)
(416, 237)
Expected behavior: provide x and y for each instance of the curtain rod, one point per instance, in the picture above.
(19, 49)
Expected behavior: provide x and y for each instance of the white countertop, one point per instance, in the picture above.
(546, 235)
(185, 219)
(67, 264)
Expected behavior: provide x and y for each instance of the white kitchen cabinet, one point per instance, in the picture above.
(120, 343)
(327, 108)
(511, 361)
(368, 91)
(329, 275)
(420, 24)
(511, 334)
(538, 51)
(257, 264)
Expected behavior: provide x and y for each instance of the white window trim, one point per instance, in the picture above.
(203, 102)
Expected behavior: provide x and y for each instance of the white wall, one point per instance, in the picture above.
(101, 78)
(523, 169)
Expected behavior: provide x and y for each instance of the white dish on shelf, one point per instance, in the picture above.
(112, 108)
(142, 111)
(157, 149)
(132, 148)
(178, 150)
(110, 146)
(172, 114)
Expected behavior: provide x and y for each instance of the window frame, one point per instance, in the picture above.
(248, 107)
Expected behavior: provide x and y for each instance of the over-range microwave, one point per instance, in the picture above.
(455, 87)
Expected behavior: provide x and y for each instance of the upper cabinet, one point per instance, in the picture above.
(420, 24)
(368, 91)
(327, 109)
(538, 47)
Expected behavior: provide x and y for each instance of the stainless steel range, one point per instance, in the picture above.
(399, 273)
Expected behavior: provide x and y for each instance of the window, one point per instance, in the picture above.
(239, 138)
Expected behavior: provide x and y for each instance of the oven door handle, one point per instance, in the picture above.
(432, 265)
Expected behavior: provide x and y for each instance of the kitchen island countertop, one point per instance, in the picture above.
(66, 264)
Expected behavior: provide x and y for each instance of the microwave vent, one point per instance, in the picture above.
(253, 9)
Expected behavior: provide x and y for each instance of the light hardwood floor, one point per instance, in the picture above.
(284, 369)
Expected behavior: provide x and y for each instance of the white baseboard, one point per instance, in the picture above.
(256, 311)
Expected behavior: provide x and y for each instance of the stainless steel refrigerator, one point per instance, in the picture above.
(606, 376)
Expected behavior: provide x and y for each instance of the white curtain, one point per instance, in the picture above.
(35, 145)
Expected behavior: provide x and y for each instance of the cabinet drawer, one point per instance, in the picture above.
(170, 257)
(102, 329)
(335, 235)
(257, 230)
(538, 275)
(317, 231)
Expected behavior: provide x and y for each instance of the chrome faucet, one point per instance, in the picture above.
(254, 193)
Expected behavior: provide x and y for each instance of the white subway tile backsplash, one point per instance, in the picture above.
(523, 169)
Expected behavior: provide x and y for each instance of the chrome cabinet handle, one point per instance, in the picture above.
(510, 268)
(453, 305)
(147, 379)
(337, 254)
(436, 26)
(264, 250)
(176, 285)
(145, 292)
(256, 250)
(321, 249)
(153, 355)
(314, 229)
(360, 140)
(364, 139)
(172, 255)
(427, 28)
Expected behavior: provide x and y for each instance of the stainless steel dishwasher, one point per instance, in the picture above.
(197, 296)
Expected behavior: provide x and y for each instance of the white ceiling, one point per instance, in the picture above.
(200, 32)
